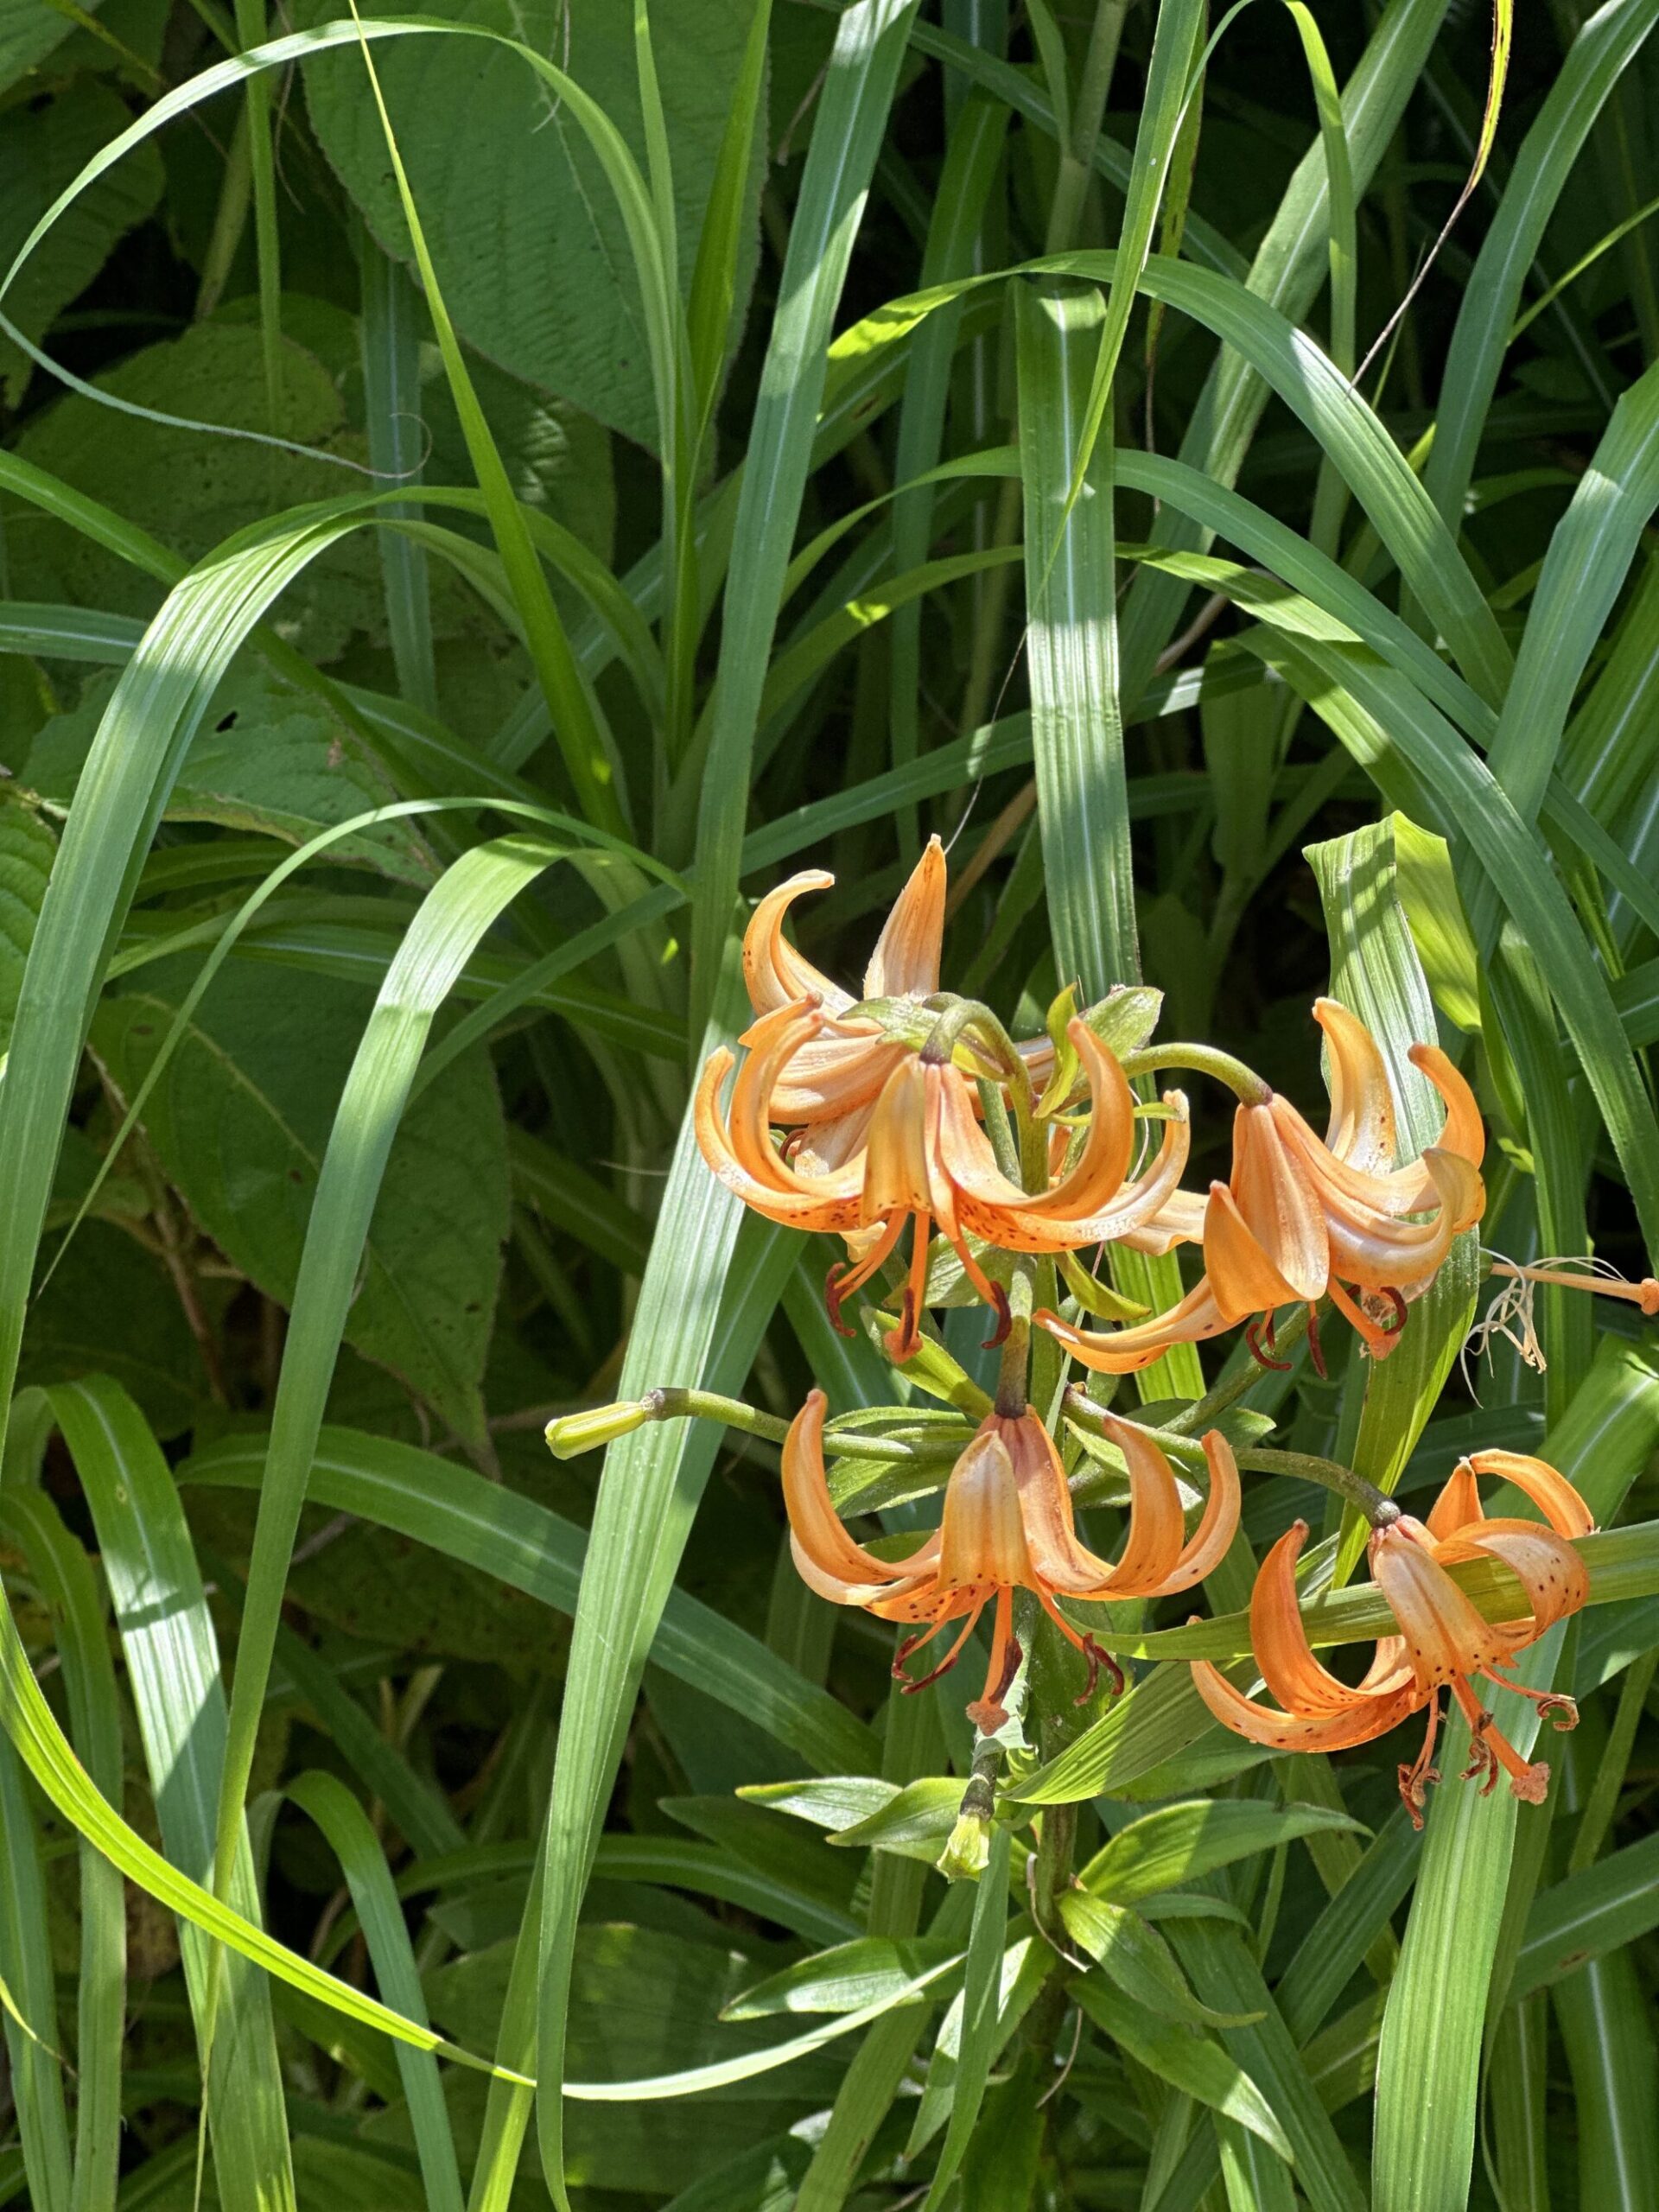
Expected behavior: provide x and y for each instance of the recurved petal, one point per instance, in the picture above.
(1209, 1542)
(1122, 1351)
(1463, 1132)
(1242, 1277)
(1549, 1490)
(1060, 1561)
(982, 1531)
(797, 1207)
(1157, 1525)
(1333, 1732)
(1445, 1636)
(989, 1202)
(1546, 1566)
(1179, 1221)
(897, 1172)
(1380, 1253)
(1411, 1189)
(1362, 1106)
(778, 975)
(835, 1073)
(1104, 1160)
(1154, 1195)
(824, 1147)
(1302, 1686)
(906, 956)
(1274, 1201)
(1459, 1504)
(829, 1559)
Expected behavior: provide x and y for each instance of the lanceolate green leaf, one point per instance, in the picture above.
(486, 1524)
(1592, 68)
(1513, 860)
(452, 919)
(347, 1828)
(1288, 268)
(1071, 642)
(172, 1667)
(46, 1751)
(1309, 384)
(32, 2035)
(709, 1288)
(980, 1994)
(1590, 549)
(869, 47)
(65, 1579)
(1077, 724)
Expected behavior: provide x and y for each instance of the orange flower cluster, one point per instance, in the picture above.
(1008, 1525)
(1443, 1643)
(909, 1107)
(1302, 1219)
(888, 1132)
(880, 1099)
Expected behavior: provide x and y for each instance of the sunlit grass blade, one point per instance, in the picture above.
(1554, 1137)
(390, 351)
(982, 1990)
(172, 1662)
(1178, 38)
(1303, 376)
(487, 1525)
(1077, 725)
(972, 162)
(1289, 266)
(1606, 2023)
(32, 2038)
(1474, 361)
(1511, 857)
(453, 917)
(65, 1579)
(710, 1289)
(583, 742)
(852, 117)
(355, 1842)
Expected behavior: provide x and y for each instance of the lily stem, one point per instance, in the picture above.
(1202, 1414)
(979, 1797)
(1013, 1375)
(672, 1403)
(1378, 1510)
(1202, 1059)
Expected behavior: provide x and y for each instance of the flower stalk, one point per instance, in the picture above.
(1203, 1059)
(1379, 1510)
(571, 1434)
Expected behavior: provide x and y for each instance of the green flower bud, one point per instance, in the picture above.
(569, 1435)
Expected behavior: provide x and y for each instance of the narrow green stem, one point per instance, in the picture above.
(1203, 1059)
(1012, 1377)
(1378, 1510)
(569, 1434)
(1088, 108)
(1202, 1413)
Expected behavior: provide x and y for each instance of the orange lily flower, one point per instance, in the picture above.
(1302, 1219)
(831, 1082)
(1007, 1525)
(1443, 1641)
(924, 1156)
